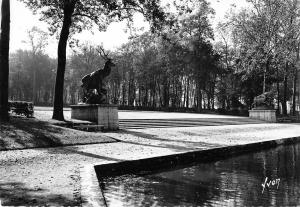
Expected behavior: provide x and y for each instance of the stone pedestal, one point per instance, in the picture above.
(105, 115)
(263, 114)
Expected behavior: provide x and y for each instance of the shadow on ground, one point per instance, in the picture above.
(17, 194)
(143, 139)
(26, 133)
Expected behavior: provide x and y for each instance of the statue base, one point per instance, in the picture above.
(105, 115)
(268, 115)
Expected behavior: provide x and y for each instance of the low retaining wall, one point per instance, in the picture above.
(263, 114)
(105, 115)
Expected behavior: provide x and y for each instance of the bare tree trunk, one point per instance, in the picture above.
(139, 91)
(69, 6)
(213, 95)
(199, 96)
(159, 95)
(166, 87)
(184, 92)
(123, 93)
(264, 82)
(146, 97)
(265, 72)
(295, 91)
(188, 92)
(278, 92)
(4, 59)
(208, 99)
(295, 83)
(285, 86)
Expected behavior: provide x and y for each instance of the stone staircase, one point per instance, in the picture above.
(288, 119)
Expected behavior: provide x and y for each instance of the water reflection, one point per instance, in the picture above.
(232, 182)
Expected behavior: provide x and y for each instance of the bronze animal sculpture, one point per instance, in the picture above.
(94, 81)
(264, 100)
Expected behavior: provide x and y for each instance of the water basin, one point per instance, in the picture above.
(267, 178)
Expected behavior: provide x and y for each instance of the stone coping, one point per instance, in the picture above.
(186, 158)
(93, 105)
(91, 193)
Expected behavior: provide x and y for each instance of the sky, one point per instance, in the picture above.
(23, 20)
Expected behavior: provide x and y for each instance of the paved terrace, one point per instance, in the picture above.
(52, 175)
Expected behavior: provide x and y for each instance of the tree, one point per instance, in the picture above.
(228, 85)
(4, 58)
(75, 15)
(255, 31)
(197, 32)
(37, 41)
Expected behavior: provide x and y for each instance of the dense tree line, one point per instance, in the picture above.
(181, 65)
(32, 77)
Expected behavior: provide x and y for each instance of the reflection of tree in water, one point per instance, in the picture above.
(235, 181)
(251, 170)
(180, 187)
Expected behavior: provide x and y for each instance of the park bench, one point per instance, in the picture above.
(21, 108)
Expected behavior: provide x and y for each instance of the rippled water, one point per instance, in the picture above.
(235, 181)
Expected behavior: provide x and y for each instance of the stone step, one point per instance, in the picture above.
(288, 119)
(89, 127)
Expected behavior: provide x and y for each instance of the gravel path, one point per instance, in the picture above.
(51, 176)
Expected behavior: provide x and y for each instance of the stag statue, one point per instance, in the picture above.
(94, 81)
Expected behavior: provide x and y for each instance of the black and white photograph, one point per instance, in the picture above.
(150, 103)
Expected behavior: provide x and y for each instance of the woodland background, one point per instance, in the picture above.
(183, 67)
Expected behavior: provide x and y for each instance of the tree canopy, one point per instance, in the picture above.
(89, 12)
